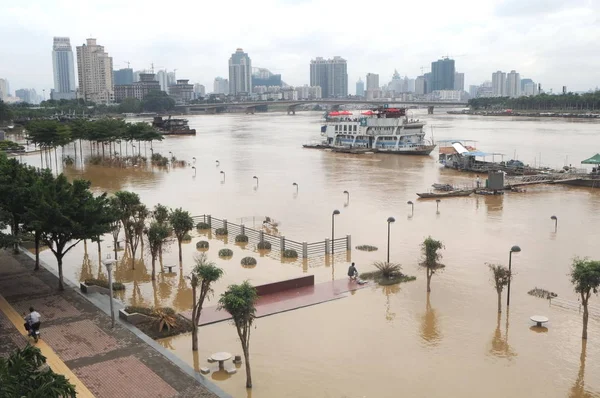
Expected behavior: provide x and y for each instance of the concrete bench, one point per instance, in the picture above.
(168, 268)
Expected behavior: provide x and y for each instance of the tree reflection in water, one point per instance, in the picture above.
(430, 330)
(500, 347)
(388, 291)
(86, 269)
(578, 389)
(183, 296)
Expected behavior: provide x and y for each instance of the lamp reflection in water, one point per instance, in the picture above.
(412, 208)
(437, 208)
(347, 198)
(555, 223)
(430, 329)
(223, 181)
(295, 193)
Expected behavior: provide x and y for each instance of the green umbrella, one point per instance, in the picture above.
(593, 160)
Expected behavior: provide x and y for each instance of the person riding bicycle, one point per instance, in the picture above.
(32, 320)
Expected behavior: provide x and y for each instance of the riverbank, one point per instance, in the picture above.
(562, 114)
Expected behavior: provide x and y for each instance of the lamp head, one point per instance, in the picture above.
(409, 202)
(294, 184)
(336, 212)
(222, 172)
(346, 192)
(255, 177)
(554, 218)
(438, 200)
(391, 219)
(515, 249)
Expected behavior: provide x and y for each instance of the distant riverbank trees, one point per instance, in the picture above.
(542, 102)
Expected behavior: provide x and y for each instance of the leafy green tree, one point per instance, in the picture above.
(161, 216)
(130, 105)
(115, 225)
(240, 302)
(22, 374)
(205, 273)
(431, 258)
(69, 213)
(132, 213)
(158, 101)
(6, 114)
(182, 223)
(157, 235)
(501, 276)
(585, 277)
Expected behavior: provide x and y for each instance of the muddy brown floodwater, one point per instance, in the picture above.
(379, 341)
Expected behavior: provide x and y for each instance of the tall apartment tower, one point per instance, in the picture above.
(459, 81)
(499, 84)
(221, 86)
(4, 89)
(372, 81)
(64, 69)
(95, 69)
(240, 73)
(360, 88)
(442, 74)
(513, 84)
(331, 75)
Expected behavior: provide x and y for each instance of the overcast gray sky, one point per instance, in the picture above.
(554, 42)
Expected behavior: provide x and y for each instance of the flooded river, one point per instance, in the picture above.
(392, 341)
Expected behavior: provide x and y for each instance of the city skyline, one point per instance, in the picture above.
(506, 35)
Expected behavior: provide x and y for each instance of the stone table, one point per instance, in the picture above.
(539, 319)
(221, 357)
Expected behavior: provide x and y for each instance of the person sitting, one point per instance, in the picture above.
(32, 320)
(352, 272)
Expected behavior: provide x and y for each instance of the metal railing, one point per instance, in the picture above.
(278, 242)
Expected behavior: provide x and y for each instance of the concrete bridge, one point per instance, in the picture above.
(253, 106)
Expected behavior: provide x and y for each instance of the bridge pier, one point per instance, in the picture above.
(211, 111)
(430, 110)
(250, 110)
(291, 110)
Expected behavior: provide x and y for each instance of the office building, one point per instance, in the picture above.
(4, 89)
(264, 77)
(395, 85)
(199, 91)
(360, 88)
(428, 82)
(63, 68)
(95, 73)
(499, 84)
(530, 89)
(139, 89)
(473, 91)
(372, 81)
(240, 73)
(513, 84)
(182, 92)
(420, 85)
(442, 74)
(331, 75)
(123, 76)
(221, 86)
(459, 81)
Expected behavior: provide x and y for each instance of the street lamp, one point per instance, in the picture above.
(412, 207)
(514, 249)
(390, 220)
(295, 185)
(555, 222)
(222, 172)
(108, 263)
(335, 213)
(256, 178)
(194, 167)
(437, 203)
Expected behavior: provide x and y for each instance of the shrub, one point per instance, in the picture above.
(202, 225)
(388, 270)
(221, 231)
(248, 261)
(132, 309)
(241, 239)
(165, 319)
(264, 245)
(290, 253)
(187, 237)
(104, 284)
(69, 161)
(387, 274)
(366, 248)
(202, 244)
(542, 293)
(225, 253)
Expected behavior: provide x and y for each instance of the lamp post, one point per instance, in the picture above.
(194, 167)
(256, 178)
(437, 203)
(108, 263)
(412, 207)
(390, 220)
(295, 185)
(222, 172)
(335, 213)
(514, 249)
(555, 222)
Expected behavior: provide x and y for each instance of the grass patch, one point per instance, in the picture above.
(102, 283)
(366, 248)
(379, 278)
(542, 293)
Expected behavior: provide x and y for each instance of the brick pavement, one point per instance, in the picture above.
(111, 363)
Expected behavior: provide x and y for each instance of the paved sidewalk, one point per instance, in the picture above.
(110, 363)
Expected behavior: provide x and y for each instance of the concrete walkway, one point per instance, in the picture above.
(78, 341)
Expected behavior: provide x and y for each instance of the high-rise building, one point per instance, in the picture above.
(123, 76)
(199, 90)
(331, 75)
(360, 88)
(161, 77)
(473, 91)
(182, 92)
(420, 85)
(64, 69)
(428, 82)
(221, 86)
(459, 81)
(139, 89)
(442, 74)
(240, 73)
(4, 89)
(24, 94)
(372, 81)
(530, 89)
(171, 79)
(513, 84)
(264, 77)
(499, 84)
(95, 73)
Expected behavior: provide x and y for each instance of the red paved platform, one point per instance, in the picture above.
(286, 301)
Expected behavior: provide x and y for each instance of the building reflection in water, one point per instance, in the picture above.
(430, 329)
(500, 347)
